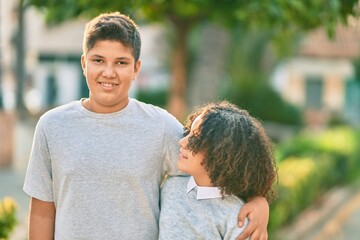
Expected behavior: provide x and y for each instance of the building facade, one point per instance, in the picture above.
(322, 78)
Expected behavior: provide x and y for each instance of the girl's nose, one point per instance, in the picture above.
(183, 142)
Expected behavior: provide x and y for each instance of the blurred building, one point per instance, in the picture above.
(52, 59)
(322, 79)
(6, 51)
(53, 72)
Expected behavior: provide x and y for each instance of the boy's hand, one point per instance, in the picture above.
(257, 212)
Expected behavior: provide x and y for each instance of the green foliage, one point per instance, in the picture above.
(263, 102)
(301, 180)
(7, 217)
(283, 14)
(154, 97)
(285, 18)
(308, 165)
(338, 141)
(249, 65)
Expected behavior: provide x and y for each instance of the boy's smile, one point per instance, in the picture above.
(108, 86)
(109, 68)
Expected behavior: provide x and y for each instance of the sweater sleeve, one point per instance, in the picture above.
(232, 230)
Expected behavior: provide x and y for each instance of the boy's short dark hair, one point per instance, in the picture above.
(113, 26)
(238, 153)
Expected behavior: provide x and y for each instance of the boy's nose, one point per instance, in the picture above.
(108, 72)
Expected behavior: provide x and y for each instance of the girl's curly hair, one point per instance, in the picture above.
(238, 153)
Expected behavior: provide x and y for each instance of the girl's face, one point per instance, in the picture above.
(190, 162)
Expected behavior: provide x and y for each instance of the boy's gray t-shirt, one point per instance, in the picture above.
(103, 171)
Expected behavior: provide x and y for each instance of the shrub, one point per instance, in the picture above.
(301, 180)
(8, 219)
(310, 164)
(154, 97)
(263, 102)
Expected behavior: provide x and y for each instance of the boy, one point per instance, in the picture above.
(96, 164)
(228, 156)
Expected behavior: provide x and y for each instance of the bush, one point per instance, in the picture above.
(310, 164)
(263, 102)
(301, 180)
(8, 219)
(154, 97)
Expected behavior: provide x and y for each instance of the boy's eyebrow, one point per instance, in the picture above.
(118, 58)
(96, 55)
(122, 58)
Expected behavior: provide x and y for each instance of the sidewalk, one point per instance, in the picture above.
(335, 216)
(11, 182)
(12, 178)
(344, 223)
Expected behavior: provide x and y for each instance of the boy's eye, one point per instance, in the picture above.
(97, 60)
(122, 63)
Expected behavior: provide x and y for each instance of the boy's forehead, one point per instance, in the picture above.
(110, 47)
(109, 43)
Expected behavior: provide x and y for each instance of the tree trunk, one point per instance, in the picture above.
(208, 76)
(20, 61)
(1, 86)
(7, 120)
(176, 101)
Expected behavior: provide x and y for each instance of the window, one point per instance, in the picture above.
(314, 92)
(352, 100)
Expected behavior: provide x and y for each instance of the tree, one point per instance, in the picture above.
(249, 65)
(1, 93)
(20, 56)
(282, 16)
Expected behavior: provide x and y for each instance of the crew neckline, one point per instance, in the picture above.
(87, 112)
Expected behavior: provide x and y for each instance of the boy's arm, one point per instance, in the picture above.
(42, 220)
(257, 211)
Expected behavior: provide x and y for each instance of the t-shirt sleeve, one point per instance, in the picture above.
(38, 179)
(172, 135)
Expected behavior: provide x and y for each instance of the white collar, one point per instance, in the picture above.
(203, 192)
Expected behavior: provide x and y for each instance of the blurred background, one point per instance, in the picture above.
(295, 65)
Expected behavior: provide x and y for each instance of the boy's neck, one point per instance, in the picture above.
(93, 107)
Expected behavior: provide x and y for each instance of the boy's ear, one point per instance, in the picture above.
(83, 63)
(137, 68)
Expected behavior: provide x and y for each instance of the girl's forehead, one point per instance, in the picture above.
(197, 122)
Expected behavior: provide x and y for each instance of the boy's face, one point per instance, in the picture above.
(189, 162)
(109, 68)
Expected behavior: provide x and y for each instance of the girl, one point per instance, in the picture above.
(229, 157)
